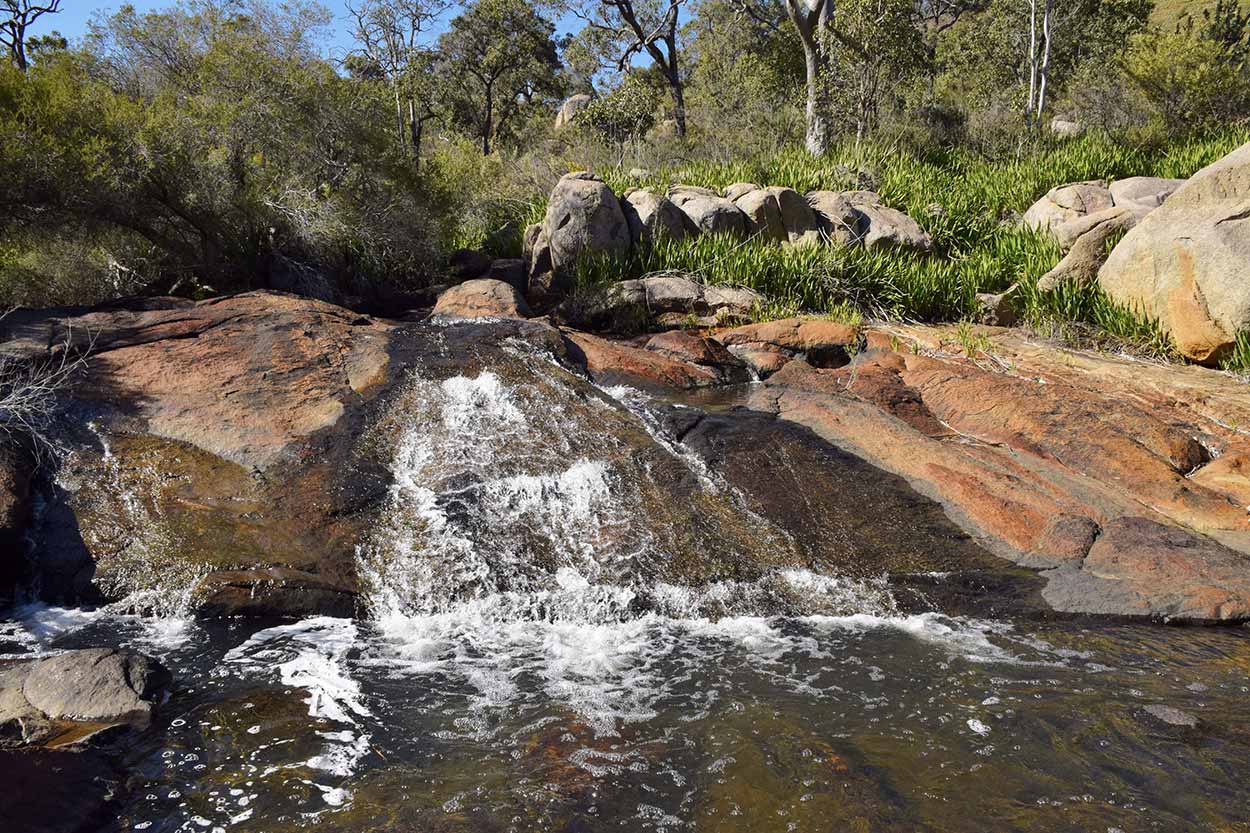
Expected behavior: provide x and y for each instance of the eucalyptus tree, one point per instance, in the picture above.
(391, 37)
(495, 58)
(16, 18)
(626, 29)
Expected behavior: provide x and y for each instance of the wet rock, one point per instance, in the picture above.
(96, 684)
(618, 363)
(1141, 567)
(481, 298)
(699, 350)
(1171, 715)
(274, 592)
(77, 695)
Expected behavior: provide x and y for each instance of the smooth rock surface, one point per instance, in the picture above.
(481, 298)
(1185, 264)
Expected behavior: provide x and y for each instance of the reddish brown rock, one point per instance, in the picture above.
(1140, 567)
(482, 298)
(617, 363)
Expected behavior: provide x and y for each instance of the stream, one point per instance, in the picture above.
(535, 655)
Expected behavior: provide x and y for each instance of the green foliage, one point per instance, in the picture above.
(198, 146)
(623, 115)
(500, 56)
(1238, 359)
(1191, 81)
(969, 205)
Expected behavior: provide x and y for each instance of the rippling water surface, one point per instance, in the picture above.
(530, 660)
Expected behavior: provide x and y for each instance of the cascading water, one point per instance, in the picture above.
(576, 623)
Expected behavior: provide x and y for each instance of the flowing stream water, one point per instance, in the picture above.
(533, 659)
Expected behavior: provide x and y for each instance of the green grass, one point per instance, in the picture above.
(969, 205)
(1238, 359)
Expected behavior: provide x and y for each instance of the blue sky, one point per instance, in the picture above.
(74, 16)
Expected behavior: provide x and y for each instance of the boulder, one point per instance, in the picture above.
(1065, 202)
(886, 227)
(510, 270)
(763, 214)
(583, 217)
(1088, 252)
(1145, 191)
(1185, 264)
(819, 342)
(996, 309)
(837, 219)
(570, 108)
(96, 684)
(617, 308)
(651, 217)
(673, 294)
(481, 298)
(739, 189)
(618, 363)
(797, 216)
(709, 213)
(685, 346)
(1122, 217)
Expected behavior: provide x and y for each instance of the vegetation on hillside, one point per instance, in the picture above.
(216, 145)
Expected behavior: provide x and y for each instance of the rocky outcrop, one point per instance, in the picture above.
(583, 217)
(77, 694)
(480, 299)
(652, 217)
(571, 106)
(1088, 468)
(1185, 264)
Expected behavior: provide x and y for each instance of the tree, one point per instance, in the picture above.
(19, 16)
(216, 144)
(626, 28)
(390, 35)
(624, 115)
(747, 74)
(881, 49)
(497, 56)
(1027, 51)
(811, 21)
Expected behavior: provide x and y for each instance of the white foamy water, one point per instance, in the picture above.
(517, 548)
(312, 654)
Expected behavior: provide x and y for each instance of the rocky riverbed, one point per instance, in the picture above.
(570, 543)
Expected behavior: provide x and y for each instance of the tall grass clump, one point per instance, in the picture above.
(971, 207)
